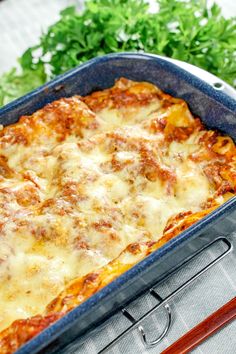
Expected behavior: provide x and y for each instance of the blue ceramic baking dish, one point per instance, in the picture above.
(216, 109)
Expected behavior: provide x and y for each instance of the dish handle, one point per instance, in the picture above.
(164, 302)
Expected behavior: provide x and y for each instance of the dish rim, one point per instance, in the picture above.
(57, 328)
(198, 83)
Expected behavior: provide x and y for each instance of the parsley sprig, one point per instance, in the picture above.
(188, 30)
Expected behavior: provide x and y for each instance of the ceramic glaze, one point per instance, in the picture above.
(216, 110)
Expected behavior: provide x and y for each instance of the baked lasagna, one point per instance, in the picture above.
(89, 186)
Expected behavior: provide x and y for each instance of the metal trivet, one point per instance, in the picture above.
(163, 302)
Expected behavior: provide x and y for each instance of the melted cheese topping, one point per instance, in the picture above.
(73, 199)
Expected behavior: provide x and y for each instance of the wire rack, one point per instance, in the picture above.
(164, 303)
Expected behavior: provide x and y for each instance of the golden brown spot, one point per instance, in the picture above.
(27, 196)
(80, 244)
(102, 224)
(5, 170)
(91, 278)
(134, 248)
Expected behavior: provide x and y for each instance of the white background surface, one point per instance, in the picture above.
(21, 22)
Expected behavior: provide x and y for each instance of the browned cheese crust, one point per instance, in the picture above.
(43, 200)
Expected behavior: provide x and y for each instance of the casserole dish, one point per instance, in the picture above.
(204, 102)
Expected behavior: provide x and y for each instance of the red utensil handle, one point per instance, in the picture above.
(204, 329)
